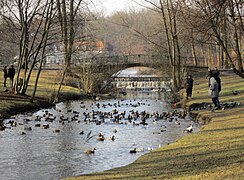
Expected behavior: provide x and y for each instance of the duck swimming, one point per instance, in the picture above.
(90, 151)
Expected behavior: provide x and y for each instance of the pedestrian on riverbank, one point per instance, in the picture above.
(5, 75)
(11, 74)
(189, 86)
(214, 92)
(216, 74)
(210, 74)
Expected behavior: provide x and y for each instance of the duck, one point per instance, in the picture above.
(100, 137)
(56, 131)
(133, 151)
(37, 125)
(28, 128)
(189, 129)
(139, 149)
(90, 151)
(2, 127)
(13, 123)
(235, 92)
(177, 122)
(45, 126)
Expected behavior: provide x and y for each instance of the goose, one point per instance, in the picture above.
(90, 151)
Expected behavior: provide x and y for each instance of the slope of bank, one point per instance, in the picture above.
(11, 104)
(216, 152)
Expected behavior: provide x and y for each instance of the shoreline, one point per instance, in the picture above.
(215, 152)
(40, 103)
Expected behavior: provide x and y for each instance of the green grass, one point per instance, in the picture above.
(215, 152)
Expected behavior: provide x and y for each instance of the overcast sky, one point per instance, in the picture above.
(111, 6)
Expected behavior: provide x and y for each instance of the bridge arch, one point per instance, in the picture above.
(106, 66)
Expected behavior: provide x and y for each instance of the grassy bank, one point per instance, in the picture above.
(216, 152)
(48, 85)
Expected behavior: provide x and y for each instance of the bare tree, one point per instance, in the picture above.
(29, 19)
(212, 18)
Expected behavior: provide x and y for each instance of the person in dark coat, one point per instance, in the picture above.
(11, 74)
(216, 74)
(5, 75)
(189, 86)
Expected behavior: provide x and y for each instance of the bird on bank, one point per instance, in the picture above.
(189, 129)
(235, 92)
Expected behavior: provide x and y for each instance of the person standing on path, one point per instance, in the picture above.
(11, 74)
(5, 75)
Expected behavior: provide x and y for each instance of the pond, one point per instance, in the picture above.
(51, 143)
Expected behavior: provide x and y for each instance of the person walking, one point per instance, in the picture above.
(189, 86)
(11, 74)
(5, 75)
(214, 92)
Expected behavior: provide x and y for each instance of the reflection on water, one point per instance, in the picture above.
(58, 151)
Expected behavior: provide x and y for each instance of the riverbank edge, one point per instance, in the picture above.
(40, 103)
(132, 171)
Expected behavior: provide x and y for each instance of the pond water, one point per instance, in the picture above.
(32, 150)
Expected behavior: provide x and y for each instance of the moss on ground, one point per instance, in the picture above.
(215, 152)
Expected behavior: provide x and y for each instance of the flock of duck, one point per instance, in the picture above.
(96, 113)
(207, 106)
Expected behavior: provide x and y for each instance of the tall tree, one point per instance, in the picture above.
(27, 18)
(209, 16)
(67, 12)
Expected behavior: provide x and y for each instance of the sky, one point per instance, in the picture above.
(111, 6)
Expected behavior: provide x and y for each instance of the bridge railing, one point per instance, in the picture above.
(140, 59)
(125, 59)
